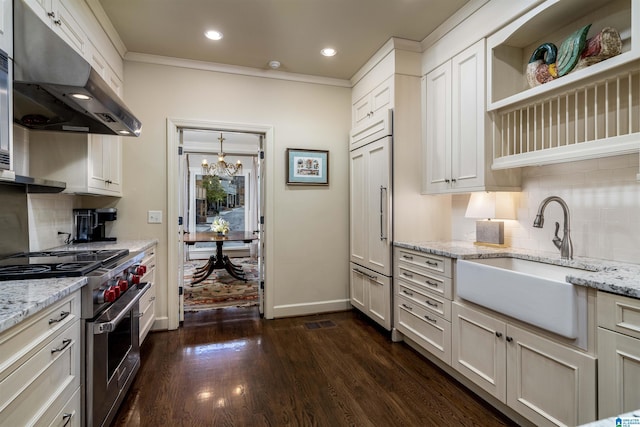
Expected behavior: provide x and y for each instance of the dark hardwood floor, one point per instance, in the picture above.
(228, 367)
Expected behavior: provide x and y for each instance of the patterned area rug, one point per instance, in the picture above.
(220, 289)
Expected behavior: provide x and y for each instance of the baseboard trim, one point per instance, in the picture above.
(160, 324)
(290, 310)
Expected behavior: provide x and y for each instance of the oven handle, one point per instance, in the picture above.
(110, 326)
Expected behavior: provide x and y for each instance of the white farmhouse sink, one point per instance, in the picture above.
(530, 291)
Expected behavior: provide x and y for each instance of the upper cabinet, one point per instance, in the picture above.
(590, 112)
(380, 99)
(62, 17)
(455, 126)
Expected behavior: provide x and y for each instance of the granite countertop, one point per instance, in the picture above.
(610, 276)
(20, 299)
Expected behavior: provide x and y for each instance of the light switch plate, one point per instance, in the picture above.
(154, 217)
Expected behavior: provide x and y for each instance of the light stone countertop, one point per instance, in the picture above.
(609, 276)
(20, 299)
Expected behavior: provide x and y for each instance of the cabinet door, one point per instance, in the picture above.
(65, 21)
(437, 129)
(378, 190)
(549, 383)
(6, 27)
(379, 300)
(478, 349)
(382, 97)
(358, 285)
(361, 110)
(358, 208)
(42, 8)
(618, 373)
(467, 106)
(98, 153)
(113, 163)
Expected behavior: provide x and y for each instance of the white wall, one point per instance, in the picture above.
(603, 198)
(310, 225)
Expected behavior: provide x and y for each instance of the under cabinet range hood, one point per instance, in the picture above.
(56, 89)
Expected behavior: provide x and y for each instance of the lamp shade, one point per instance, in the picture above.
(491, 205)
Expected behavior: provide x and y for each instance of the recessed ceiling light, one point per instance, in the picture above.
(213, 35)
(274, 64)
(328, 51)
(80, 96)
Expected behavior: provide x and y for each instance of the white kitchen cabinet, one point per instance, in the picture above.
(40, 367)
(455, 123)
(370, 213)
(371, 294)
(375, 102)
(147, 302)
(618, 354)
(548, 383)
(104, 68)
(422, 300)
(63, 17)
(89, 164)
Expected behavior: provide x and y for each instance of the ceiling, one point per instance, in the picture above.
(289, 31)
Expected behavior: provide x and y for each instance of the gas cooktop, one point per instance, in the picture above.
(49, 264)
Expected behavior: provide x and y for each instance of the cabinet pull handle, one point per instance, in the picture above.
(429, 319)
(453, 180)
(429, 303)
(498, 334)
(66, 417)
(365, 274)
(430, 283)
(407, 274)
(509, 339)
(63, 315)
(407, 292)
(409, 257)
(431, 263)
(382, 236)
(57, 22)
(51, 14)
(408, 307)
(65, 343)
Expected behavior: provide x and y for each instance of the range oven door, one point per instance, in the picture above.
(112, 356)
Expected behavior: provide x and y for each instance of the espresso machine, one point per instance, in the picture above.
(90, 224)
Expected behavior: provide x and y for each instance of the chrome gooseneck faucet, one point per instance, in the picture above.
(564, 244)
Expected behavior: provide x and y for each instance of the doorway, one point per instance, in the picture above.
(176, 169)
(221, 182)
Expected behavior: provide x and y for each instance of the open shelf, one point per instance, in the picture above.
(588, 113)
(509, 49)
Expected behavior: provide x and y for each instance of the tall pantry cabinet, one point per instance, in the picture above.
(385, 175)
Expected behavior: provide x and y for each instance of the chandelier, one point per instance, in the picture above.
(221, 167)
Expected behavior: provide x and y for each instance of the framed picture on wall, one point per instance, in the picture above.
(307, 167)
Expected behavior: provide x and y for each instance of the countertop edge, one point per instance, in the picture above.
(604, 275)
(41, 294)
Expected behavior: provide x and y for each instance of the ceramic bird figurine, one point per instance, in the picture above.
(570, 50)
(605, 44)
(542, 65)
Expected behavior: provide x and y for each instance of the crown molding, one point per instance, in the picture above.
(452, 22)
(234, 69)
(388, 47)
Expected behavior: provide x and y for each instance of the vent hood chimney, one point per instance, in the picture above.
(47, 75)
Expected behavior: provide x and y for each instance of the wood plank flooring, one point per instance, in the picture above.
(228, 367)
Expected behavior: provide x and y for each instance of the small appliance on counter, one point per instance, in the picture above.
(90, 224)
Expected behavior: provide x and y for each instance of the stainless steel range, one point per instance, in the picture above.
(110, 317)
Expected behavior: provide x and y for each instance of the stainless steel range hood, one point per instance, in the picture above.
(49, 74)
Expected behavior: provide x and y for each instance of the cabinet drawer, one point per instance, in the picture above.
(147, 312)
(431, 332)
(69, 415)
(22, 340)
(428, 262)
(437, 305)
(429, 283)
(52, 373)
(618, 313)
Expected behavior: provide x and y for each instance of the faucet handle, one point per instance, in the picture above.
(556, 240)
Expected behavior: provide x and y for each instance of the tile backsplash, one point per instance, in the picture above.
(603, 196)
(49, 214)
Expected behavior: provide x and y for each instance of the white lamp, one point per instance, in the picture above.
(491, 206)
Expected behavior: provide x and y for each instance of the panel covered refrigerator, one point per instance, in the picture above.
(371, 220)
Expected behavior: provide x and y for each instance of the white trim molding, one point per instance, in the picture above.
(291, 310)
